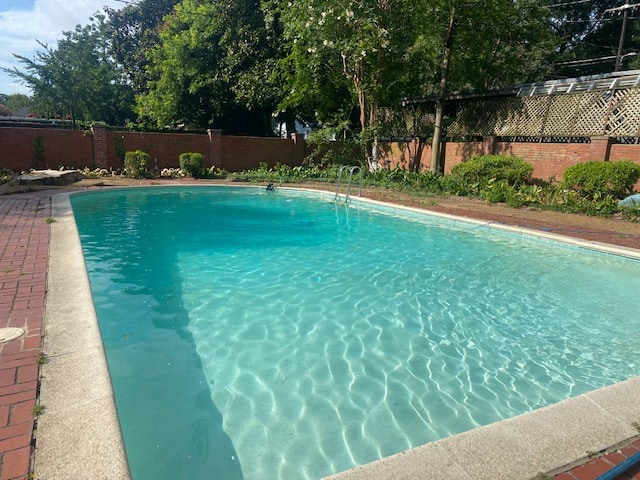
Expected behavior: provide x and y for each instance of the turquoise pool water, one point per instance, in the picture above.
(255, 335)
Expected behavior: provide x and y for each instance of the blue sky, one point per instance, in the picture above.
(22, 22)
(17, 4)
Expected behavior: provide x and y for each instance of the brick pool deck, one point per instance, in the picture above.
(24, 244)
(24, 247)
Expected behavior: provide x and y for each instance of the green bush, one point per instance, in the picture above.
(135, 164)
(7, 175)
(595, 180)
(192, 164)
(215, 172)
(497, 168)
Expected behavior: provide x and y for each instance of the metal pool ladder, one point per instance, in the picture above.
(351, 170)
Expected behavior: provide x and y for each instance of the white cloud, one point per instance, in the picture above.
(45, 21)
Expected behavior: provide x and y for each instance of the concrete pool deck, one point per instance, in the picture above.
(78, 433)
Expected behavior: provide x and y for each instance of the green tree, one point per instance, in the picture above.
(132, 32)
(590, 35)
(353, 49)
(383, 50)
(488, 44)
(77, 79)
(16, 101)
(213, 68)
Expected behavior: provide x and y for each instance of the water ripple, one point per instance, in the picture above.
(330, 338)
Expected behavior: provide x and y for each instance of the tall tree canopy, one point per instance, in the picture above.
(16, 101)
(382, 50)
(355, 51)
(590, 34)
(212, 68)
(77, 79)
(483, 44)
(132, 31)
(236, 64)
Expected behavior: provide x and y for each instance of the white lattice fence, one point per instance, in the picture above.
(561, 116)
(591, 118)
(584, 114)
(624, 114)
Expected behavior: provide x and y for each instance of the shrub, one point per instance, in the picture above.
(597, 179)
(96, 172)
(192, 164)
(215, 172)
(631, 213)
(171, 173)
(135, 164)
(7, 175)
(498, 168)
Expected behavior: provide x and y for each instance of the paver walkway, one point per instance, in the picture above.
(24, 247)
(598, 466)
(24, 251)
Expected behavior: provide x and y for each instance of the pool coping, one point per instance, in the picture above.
(80, 435)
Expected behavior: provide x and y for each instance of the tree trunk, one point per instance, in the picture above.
(436, 157)
(290, 122)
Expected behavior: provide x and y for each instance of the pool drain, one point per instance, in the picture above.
(10, 333)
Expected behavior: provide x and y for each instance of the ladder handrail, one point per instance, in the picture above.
(347, 198)
(352, 170)
(342, 168)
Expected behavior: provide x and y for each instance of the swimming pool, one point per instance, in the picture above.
(279, 336)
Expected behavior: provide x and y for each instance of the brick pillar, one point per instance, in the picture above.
(215, 147)
(299, 149)
(488, 145)
(100, 155)
(600, 148)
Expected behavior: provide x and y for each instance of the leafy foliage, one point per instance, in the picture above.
(239, 64)
(192, 164)
(544, 196)
(136, 164)
(133, 31)
(7, 176)
(211, 69)
(16, 101)
(501, 42)
(77, 79)
(595, 180)
(355, 47)
(495, 169)
(325, 151)
(589, 35)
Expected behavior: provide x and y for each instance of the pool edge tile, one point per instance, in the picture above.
(462, 456)
(549, 439)
(427, 461)
(79, 436)
(77, 443)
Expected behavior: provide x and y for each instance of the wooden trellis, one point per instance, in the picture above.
(624, 113)
(581, 114)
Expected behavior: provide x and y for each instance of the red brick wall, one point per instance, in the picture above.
(71, 148)
(457, 152)
(164, 149)
(244, 153)
(549, 160)
(411, 155)
(625, 152)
